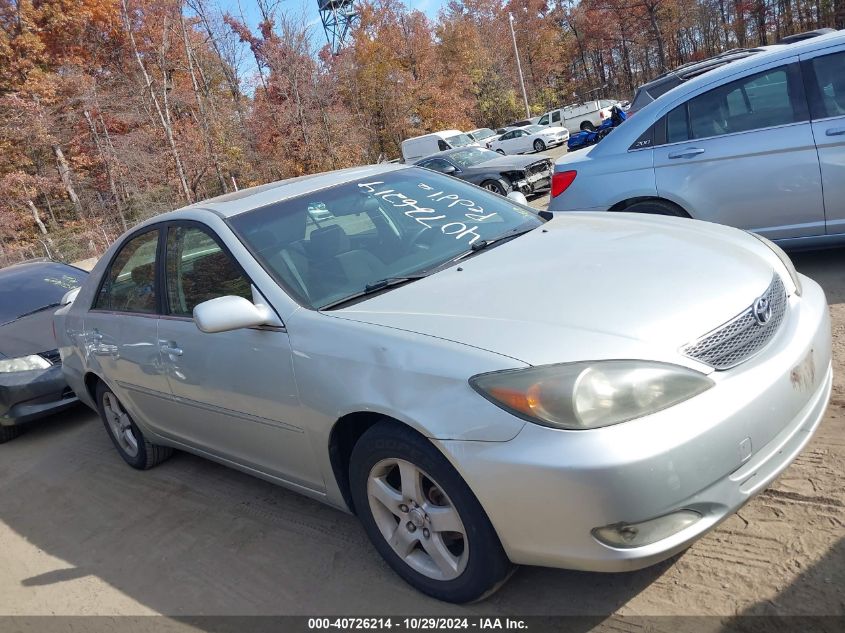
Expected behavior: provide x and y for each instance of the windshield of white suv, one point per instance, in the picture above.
(376, 231)
(473, 156)
(459, 140)
(483, 133)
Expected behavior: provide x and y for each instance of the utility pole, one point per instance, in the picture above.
(519, 67)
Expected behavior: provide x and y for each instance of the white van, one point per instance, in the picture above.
(421, 146)
(579, 116)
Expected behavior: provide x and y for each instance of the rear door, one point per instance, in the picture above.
(234, 392)
(742, 154)
(824, 77)
(120, 330)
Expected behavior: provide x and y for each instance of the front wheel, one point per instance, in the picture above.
(8, 433)
(586, 126)
(501, 151)
(422, 517)
(127, 438)
(657, 207)
(539, 145)
(495, 187)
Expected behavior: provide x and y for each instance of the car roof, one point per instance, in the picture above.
(237, 202)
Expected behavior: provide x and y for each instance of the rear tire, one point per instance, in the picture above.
(125, 434)
(495, 187)
(587, 126)
(657, 207)
(539, 145)
(422, 517)
(8, 433)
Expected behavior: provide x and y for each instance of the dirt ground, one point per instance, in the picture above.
(81, 533)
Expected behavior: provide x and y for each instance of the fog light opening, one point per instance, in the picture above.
(628, 535)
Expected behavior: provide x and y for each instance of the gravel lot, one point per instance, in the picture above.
(82, 533)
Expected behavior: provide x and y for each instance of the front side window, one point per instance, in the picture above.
(399, 223)
(130, 284)
(198, 269)
(544, 120)
(437, 164)
(751, 103)
(829, 71)
(676, 125)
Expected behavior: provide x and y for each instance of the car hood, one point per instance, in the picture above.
(585, 286)
(29, 335)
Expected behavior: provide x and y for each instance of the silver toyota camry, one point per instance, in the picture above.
(482, 387)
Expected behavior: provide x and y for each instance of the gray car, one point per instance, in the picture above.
(500, 174)
(481, 387)
(757, 144)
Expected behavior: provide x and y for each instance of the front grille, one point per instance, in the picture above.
(740, 338)
(52, 355)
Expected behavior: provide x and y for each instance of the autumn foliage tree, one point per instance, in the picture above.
(112, 111)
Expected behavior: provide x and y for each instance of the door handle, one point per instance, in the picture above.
(834, 131)
(170, 349)
(689, 152)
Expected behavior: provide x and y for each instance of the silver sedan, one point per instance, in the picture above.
(482, 387)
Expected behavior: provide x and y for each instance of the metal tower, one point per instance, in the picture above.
(338, 16)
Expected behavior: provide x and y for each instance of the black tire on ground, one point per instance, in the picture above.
(495, 187)
(539, 145)
(501, 151)
(148, 454)
(586, 125)
(657, 207)
(8, 433)
(487, 566)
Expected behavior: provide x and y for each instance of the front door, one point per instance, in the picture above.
(120, 330)
(235, 391)
(742, 154)
(824, 73)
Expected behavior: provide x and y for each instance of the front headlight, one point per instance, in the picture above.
(23, 363)
(589, 395)
(784, 258)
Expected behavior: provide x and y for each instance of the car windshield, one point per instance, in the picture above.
(29, 288)
(483, 133)
(536, 128)
(473, 156)
(459, 140)
(383, 228)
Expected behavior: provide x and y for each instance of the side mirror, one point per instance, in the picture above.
(519, 197)
(449, 170)
(69, 296)
(224, 314)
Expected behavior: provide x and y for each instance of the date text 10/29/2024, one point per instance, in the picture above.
(417, 624)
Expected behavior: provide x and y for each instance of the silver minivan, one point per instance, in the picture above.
(758, 144)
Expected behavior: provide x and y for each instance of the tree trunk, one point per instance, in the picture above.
(67, 181)
(206, 128)
(107, 165)
(163, 115)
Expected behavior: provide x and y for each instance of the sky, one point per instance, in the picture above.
(308, 9)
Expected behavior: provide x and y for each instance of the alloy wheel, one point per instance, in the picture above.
(120, 424)
(417, 519)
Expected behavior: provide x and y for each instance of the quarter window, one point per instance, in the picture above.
(131, 282)
(198, 269)
(751, 103)
(829, 71)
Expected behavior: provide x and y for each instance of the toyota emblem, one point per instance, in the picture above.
(762, 310)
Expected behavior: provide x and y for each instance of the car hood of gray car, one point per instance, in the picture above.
(585, 286)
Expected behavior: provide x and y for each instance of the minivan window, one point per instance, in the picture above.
(829, 73)
(755, 102)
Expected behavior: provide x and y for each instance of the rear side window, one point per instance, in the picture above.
(556, 116)
(751, 103)
(198, 269)
(828, 93)
(130, 284)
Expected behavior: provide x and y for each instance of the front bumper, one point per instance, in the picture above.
(547, 489)
(28, 395)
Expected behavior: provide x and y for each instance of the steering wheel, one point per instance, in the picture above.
(424, 238)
